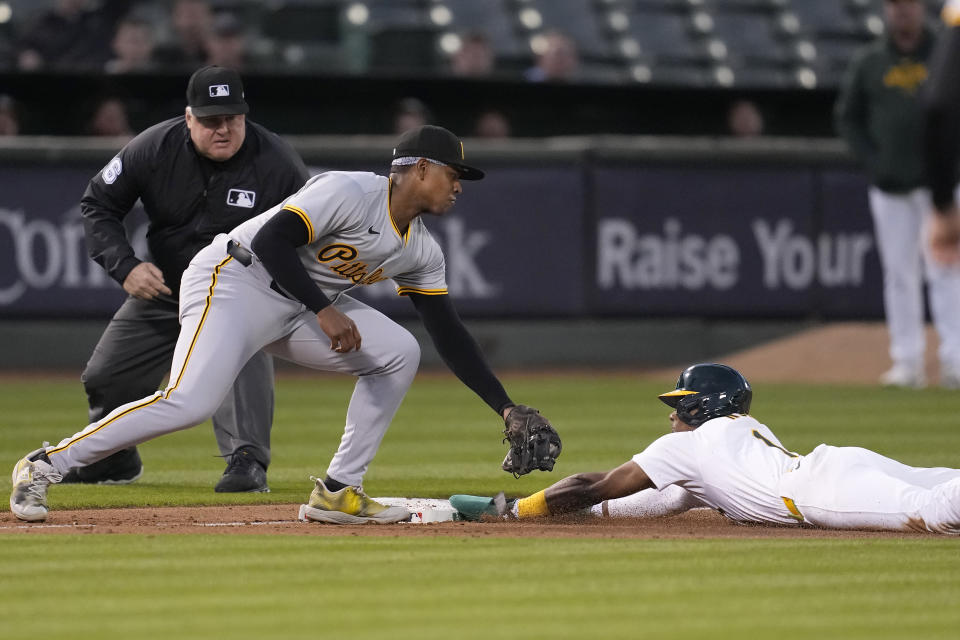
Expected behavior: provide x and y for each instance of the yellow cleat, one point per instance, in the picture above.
(350, 505)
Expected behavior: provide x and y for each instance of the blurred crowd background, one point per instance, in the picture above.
(680, 156)
(490, 68)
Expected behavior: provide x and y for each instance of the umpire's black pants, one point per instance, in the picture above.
(134, 354)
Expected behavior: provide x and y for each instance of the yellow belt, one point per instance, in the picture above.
(792, 508)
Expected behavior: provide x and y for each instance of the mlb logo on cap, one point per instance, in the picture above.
(216, 91)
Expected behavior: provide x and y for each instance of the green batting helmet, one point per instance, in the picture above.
(707, 391)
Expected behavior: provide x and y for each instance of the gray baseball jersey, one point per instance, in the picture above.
(353, 240)
(229, 312)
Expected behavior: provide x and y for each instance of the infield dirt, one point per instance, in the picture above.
(837, 353)
(281, 519)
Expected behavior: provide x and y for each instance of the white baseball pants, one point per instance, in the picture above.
(900, 226)
(228, 313)
(855, 488)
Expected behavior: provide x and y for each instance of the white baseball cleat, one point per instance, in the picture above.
(31, 477)
(904, 376)
(950, 376)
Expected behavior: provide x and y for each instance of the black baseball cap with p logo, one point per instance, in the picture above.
(436, 143)
(216, 91)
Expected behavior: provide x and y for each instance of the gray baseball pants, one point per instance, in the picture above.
(228, 314)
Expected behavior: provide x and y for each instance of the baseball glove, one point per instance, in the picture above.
(534, 443)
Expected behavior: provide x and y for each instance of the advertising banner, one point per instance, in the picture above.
(559, 241)
(44, 267)
(732, 242)
(513, 246)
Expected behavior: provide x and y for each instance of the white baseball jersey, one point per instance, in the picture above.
(737, 466)
(733, 464)
(353, 240)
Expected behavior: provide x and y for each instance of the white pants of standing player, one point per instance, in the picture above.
(228, 313)
(855, 488)
(900, 224)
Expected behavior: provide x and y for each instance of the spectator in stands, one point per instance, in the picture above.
(187, 46)
(9, 116)
(879, 114)
(74, 35)
(132, 47)
(491, 123)
(557, 61)
(109, 118)
(227, 43)
(474, 58)
(410, 113)
(744, 119)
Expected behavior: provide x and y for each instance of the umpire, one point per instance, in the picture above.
(197, 175)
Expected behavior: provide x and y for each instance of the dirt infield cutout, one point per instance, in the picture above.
(281, 519)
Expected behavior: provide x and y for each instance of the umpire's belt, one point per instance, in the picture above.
(245, 257)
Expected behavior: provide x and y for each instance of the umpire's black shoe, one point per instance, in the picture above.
(122, 467)
(244, 474)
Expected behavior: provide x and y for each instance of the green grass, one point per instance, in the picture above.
(276, 587)
(445, 441)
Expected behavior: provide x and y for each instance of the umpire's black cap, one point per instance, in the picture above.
(436, 143)
(216, 91)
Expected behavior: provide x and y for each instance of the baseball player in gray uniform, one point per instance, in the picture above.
(720, 457)
(279, 283)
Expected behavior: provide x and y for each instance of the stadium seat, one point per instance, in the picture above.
(834, 56)
(752, 38)
(837, 29)
(309, 22)
(751, 5)
(830, 18)
(660, 5)
(673, 75)
(396, 35)
(302, 34)
(494, 19)
(403, 49)
(579, 20)
(396, 14)
(665, 37)
(673, 42)
(748, 76)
